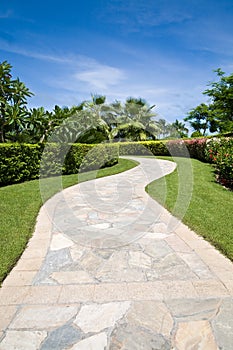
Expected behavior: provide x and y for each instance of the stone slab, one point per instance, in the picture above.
(38, 317)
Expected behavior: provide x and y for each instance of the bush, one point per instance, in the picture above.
(194, 148)
(143, 148)
(19, 162)
(24, 162)
(220, 153)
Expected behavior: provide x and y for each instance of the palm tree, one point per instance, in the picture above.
(135, 121)
(179, 129)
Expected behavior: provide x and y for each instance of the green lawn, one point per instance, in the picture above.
(209, 212)
(19, 206)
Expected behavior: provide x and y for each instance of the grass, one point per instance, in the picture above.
(20, 204)
(193, 195)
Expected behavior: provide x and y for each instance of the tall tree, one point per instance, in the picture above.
(136, 121)
(201, 119)
(13, 100)
(221, 94)
(178, 129)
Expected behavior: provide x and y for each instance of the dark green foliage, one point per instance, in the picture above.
(19, 162)
(194, 148)
(143, 148)
(220, 153)
(23, 162)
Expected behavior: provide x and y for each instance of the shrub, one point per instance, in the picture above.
(24, 162)
(194, 148)
(19, 162)
(157, 148)
(220, 153)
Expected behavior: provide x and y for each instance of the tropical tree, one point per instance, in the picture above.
(93, 126)
(13, 100)
(202, 119)
(221, 95)
(178, 129)
(135, 121)
(163, 128)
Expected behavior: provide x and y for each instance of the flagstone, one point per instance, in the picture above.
(72, 277)
(96, 317)
(127, 337)
(61, 338)
(153, 315)
(194, 335)
(193, 309)
(22, 340)
(96, 342)
(43, 317)
(140, 260)
(223, 325)
(59, 241)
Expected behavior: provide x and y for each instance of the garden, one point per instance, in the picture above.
(90, 140)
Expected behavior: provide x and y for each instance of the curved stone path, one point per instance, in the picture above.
(109, 268)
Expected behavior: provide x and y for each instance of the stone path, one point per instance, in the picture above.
(109, 268)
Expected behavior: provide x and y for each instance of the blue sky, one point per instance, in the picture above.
(163, 51)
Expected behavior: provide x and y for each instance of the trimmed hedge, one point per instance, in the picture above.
(24, 162)
(143, 148)
(194, 148)
(19, 162)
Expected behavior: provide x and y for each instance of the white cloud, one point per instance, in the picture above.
(33, 54)
(100, 76)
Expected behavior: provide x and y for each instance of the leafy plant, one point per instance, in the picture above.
(220, 153)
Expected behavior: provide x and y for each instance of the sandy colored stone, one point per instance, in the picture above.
(59, 241)
(22, 340)
(76, 293)
(116, 269)
(91, 262)
(72, 277)
(139, 260)
(77, 252)
(34, 253)
(152, 315)
(96, 342)
(42, 295)
(194, 335)
(36, 242)
(145, 291)
(96, 317)
(158, 228)
(177, 289)
(158, 250)
(177, 244)
(229, 285)
(6, 315)
(210, 288)
(28, 264)
(105, 292)
(12, 295)
(43, 317)
(19, 278)
(196, 265)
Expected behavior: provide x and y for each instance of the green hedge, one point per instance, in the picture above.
(194, 148)
(19, 162)
(147, 148)
(24, 162)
